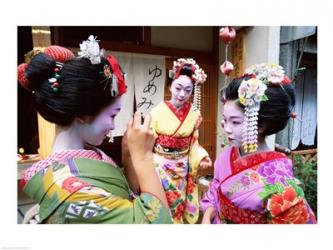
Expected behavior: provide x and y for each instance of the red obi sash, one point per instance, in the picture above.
(173, 142)
(238, 215)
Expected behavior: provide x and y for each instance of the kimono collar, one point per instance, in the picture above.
(239, 163)
(181, 112)
(91, 153)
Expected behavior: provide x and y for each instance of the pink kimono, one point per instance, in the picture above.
(258, 188)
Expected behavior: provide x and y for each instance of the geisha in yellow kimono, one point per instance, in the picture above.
(177, 153)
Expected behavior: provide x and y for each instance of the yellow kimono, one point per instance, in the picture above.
(177, 155)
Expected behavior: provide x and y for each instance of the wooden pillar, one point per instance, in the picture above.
(41, 37)
(238, 54)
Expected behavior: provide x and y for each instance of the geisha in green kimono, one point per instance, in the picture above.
(78, 183)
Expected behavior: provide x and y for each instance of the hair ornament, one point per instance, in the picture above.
(251, 93)
(54, 81)
(90, 49)
(59, 54)
(268, 73)
(198, 77)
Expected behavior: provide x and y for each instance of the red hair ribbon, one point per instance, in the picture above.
(119, 74)
(180, 67)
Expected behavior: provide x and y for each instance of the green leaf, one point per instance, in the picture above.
(264, 98)
(280, 188)
(268, 191)
(298, 190)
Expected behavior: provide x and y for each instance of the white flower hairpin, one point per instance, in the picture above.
(90, 49)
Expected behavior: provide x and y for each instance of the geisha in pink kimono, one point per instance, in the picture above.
(78, 183)
(177, 153)
(253, 184)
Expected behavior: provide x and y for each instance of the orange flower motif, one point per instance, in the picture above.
(73, 184)
(179, 211)
(254, 176)
(287, 207)
(190, 185)
(172, 196)
(295, 215)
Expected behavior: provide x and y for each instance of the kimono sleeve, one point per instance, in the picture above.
(210, 198)
(197, 153)
(110, 209)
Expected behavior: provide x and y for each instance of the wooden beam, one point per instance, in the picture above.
(147, 36)
(200, 56)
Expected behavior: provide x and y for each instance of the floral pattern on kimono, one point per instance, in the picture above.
(257, 188)
(82, 190)
(177, 129)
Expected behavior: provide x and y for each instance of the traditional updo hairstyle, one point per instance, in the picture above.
(186, 70)
(275, 112)
(82, 91)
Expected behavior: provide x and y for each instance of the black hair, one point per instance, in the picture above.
(275, 112)
(186, 70)
(82, 88)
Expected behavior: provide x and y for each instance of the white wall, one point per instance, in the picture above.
(221, 83)
(263, 45)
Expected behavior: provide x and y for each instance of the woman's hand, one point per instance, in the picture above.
(208, 216)
(205, 220)
(140, 138)
(127, 164)
(140, 144)
(205, 163)
(125, 154)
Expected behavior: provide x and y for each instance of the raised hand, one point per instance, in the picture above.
(205, 163)
(139, 137)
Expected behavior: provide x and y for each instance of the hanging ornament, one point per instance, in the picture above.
(226, 68)
(227, 34)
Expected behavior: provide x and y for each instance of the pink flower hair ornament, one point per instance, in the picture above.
(198, 77)
(251, 93)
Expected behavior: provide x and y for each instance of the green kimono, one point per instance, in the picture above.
(91, 191)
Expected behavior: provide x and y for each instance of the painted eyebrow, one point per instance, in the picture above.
(181, 86)
(233, 117)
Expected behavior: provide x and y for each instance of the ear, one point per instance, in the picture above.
(82, 120)
(261, 129)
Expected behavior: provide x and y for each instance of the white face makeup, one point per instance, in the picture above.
(181, 90)
(95, 132)
(233, 123)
